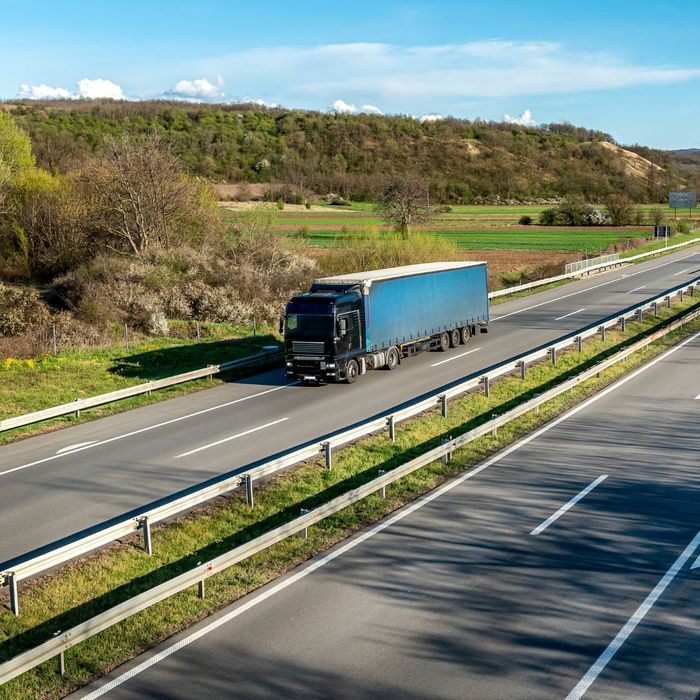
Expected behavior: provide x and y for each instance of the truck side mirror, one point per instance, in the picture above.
(342, 327)
(281, 325)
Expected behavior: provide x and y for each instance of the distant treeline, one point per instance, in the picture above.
(463, 161)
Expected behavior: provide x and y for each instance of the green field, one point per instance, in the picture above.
(468, 227)
(592, 240)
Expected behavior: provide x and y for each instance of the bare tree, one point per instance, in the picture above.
(139, 192)
(404, 203)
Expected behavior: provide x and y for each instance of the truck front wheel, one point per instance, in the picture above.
(351, 372)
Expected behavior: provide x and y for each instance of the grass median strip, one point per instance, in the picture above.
(85, 588)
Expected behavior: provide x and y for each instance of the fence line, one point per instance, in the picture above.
(590, 262)
(32, 563)
(56, 647)
(596, 268)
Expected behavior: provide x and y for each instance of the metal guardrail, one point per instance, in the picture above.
(91, 402)
(595, 268)
(56, 646)
(25, 566)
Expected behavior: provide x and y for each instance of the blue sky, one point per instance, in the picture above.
(629, 68)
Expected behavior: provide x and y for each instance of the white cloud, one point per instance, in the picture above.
(197, 90)
(443, 75)
(87, 87)
(371, 109)
(525, 119)
(342, 107)
(99, 87)
(43, 92)
(430, 118)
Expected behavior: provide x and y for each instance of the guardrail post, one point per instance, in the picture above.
(305, 531)
(249, 496)
(656, 308)
(553, 355)
(201, 591)
(443, 405)
(522, 366)
(494, 430)
(448, 455)
(14, 593)
(61, 664)
(623, 323)
(640, 315)
(382, 490)
(147, 541)
(692, 290)
(602, 332)
(579, 343)
(328, 451)
(668, 301)
(486, 384)
(392, 428)
(680, 294)
(77, 410)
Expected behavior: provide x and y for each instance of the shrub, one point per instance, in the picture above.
(657, 216)
(525, 220)
(280, 203)
(682, 227)
(549, 217)
(595, 217)
(21, 311)
(307, 204)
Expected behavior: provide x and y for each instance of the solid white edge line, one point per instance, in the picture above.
(456, 357)
(231, 437)
(147, 428)
(573, 313)
(365, 535)
(555, 516)
(595, 670)
(597, 286)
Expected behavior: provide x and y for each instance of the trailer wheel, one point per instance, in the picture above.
(351, 372)
(444, 342)
(466, 334)
(454, 337)
(392, 358)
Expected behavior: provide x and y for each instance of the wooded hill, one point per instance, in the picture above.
(464, 161)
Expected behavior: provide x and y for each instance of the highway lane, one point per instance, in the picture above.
(88, 473)
(464, 595)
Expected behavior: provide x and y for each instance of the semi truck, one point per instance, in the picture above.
(349, 324)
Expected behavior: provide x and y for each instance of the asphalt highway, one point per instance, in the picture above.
(57, 484)
(568, 567)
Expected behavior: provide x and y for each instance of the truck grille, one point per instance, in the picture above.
(307, 347)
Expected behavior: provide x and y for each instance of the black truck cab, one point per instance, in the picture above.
(323, 331)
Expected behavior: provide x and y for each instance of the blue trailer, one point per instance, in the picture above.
(347, 324)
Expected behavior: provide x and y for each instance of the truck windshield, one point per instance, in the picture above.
(310, 325)
(310, 319)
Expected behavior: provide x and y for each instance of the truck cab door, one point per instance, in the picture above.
(348, 338)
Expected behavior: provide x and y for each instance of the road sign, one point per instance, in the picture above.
(662, 231)
(682, 200)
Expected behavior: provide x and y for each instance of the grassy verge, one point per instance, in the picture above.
(91, 585)
(30, 385)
